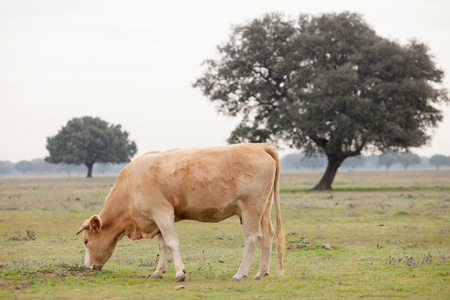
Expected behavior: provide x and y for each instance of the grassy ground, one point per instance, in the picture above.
(379, 235)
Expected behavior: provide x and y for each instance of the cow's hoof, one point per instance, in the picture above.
(238, 278)
(156, 276)
(259, 277)
(180, 278)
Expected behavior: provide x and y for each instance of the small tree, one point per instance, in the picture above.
(314, 161)
(103, 168)
(24, 166)
(6, 167)
(388, 158)
(439, 160)
(353, 162)
(41, 166)
(89, 140)
(69, 169)
(407, 159)
(291, 161)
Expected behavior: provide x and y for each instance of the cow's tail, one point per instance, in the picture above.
(279, 233)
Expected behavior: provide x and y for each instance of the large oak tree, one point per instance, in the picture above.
(89, 140)
(326, 84)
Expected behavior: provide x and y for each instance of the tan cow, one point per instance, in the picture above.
(206, 184)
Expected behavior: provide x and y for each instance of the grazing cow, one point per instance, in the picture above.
(205, 184)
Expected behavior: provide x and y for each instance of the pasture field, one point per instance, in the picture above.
(378, 235)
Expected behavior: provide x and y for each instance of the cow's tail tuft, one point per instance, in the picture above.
(279, 233)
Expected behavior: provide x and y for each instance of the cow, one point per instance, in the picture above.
(205, 184)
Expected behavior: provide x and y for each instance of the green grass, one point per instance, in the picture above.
(388, 235)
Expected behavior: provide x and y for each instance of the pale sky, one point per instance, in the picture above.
(133, 63)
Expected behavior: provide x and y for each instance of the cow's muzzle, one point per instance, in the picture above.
(97, 268)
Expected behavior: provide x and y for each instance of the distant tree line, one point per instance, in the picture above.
(387, 160)
(40, 167)
(291, 162)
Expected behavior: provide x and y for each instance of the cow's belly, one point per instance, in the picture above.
(206, 210)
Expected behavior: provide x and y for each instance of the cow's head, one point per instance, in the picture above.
(100, 242)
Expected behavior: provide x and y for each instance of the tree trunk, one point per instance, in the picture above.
(328, 178)
(89, 167)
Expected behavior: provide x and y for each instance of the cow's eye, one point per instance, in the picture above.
(85, 242)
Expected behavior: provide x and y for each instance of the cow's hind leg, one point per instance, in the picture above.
(266, 244)
(162, 263)
(251, 222)
(166, 224)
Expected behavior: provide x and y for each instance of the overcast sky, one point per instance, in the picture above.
(133, 63)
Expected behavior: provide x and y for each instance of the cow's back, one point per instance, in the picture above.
(205, 184)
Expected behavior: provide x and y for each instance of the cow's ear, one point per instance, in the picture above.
(83, 227)
(96, 223)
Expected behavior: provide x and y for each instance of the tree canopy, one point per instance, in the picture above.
(24, 166)
(439, 160)
(89, 140)
(388, 158)
(326, 84)
(407, 159)
(6, 167)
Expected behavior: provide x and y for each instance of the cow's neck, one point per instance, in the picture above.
(115, 211)
(117, 214)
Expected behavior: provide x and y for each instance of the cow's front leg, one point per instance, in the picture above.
(166, 224)
(162, 263)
